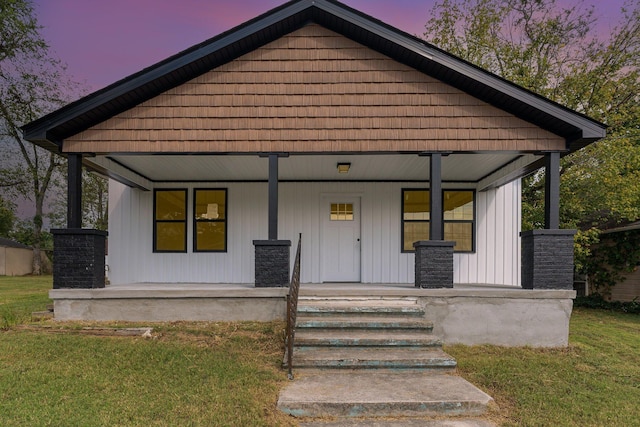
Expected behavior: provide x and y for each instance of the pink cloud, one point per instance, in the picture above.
(103, 41)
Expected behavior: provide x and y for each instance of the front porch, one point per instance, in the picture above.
(466, 314)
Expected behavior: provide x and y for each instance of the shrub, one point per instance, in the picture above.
(597, 301)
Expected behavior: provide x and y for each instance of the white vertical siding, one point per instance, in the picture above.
(497, 256)
(131, 257)
(381, 258)
(127, 231)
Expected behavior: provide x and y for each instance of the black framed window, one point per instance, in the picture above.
(416, 213)
(170, 220)
(459, 218)
(210, 220)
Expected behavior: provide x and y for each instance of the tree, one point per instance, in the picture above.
(552, 50)
(7, 218)
(94, 203)
(32, 83)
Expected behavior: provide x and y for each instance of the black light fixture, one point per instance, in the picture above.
(343, 167)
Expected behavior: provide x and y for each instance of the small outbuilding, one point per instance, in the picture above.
(628, 288)
(16, 259)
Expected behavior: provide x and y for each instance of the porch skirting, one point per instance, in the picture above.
(145, 302)
(464, 314)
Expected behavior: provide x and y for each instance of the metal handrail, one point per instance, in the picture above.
(292, 309)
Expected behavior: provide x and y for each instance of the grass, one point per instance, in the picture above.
(228, 374)
(593, 382)
(190, 374)
(222, 374)
(21, 296)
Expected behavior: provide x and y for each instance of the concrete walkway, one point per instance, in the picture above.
(340, 393)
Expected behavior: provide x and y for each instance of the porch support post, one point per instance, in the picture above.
(273, 196)
(272, 256)
(547, 255)
(78, 255)
(78, 258)
(74, 191)
(434, 264)
(552, 191)
(436, 216)
(272, 263)
(434, 257)
(547, 259)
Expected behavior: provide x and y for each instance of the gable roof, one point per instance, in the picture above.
(8, 243)
(50, 130)
(626, 227)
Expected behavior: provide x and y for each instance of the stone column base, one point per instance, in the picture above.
(434, 264)
(272, 263)
(547, 259)
(78, 258)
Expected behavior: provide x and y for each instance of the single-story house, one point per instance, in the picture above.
(399, 164)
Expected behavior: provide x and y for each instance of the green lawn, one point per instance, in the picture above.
(593, 382)
(208, 374)
(21, 296)
(227, 374)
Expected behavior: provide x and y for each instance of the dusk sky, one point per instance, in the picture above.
(104, 41)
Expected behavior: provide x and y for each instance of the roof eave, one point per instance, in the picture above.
(38, 131)
(406, 48)
(590, 129)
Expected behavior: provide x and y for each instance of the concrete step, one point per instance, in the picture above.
(359, 301)
(41, 315)
(415, 358)
(363, 321)
(359, 306)
(373, 358)
(377, 309)
(366, 338)
(47, 314)
(368, 393)
(404, 422)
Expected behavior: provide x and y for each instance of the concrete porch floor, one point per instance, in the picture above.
(382, 289)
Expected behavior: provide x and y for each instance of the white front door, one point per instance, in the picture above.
(340, 239)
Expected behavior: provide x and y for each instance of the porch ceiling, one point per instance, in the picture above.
(396, 167)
